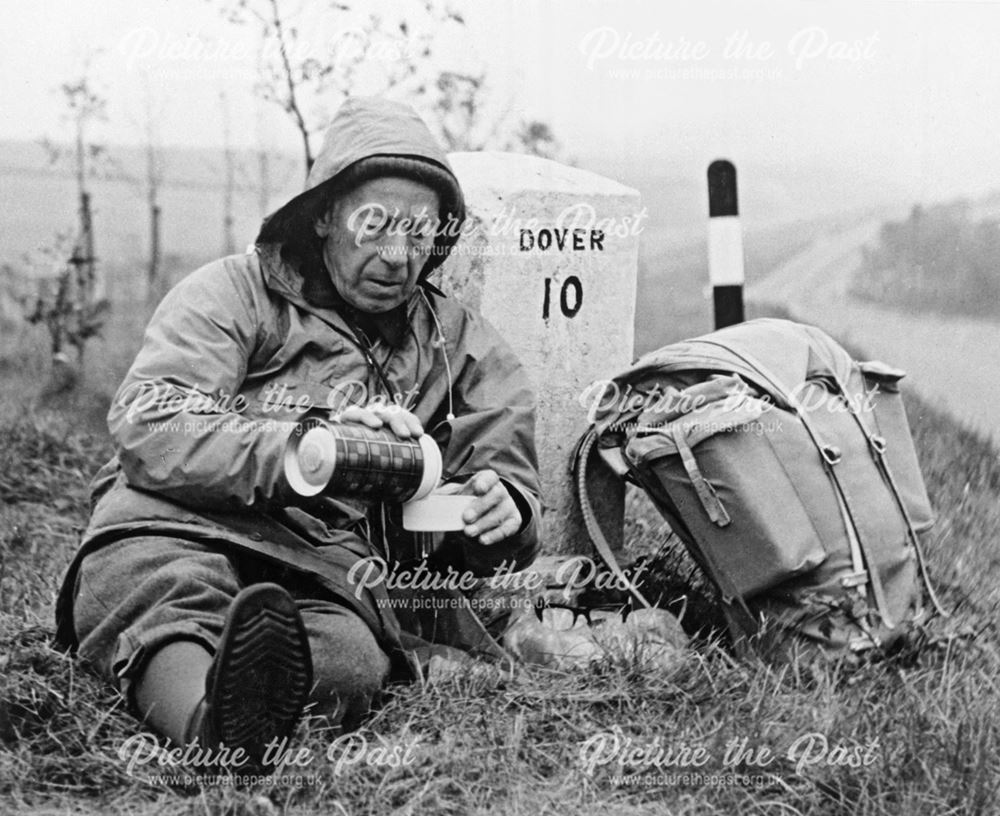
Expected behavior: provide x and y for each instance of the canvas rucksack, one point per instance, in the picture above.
(788, 471)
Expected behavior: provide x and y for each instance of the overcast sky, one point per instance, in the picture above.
(909, 88)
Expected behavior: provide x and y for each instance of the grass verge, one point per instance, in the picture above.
(916, 735)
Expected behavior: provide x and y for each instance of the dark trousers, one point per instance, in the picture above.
(136, 595)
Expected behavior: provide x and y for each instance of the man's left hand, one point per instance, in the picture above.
(493, 516)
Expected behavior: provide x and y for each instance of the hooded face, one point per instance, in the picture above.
(377, 239)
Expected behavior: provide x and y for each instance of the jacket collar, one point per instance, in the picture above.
(325, 302)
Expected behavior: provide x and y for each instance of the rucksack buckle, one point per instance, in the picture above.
(878, 443)
(831, 454)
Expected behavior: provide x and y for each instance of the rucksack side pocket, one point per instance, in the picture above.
(733, 493)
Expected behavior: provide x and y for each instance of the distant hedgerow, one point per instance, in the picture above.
(940, 258)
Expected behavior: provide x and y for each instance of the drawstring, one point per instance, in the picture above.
(441, 344)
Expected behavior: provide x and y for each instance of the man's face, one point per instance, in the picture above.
(377, 239)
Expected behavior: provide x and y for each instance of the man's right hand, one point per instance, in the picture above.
(377, 415)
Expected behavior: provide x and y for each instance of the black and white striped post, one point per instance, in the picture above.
(725, 244)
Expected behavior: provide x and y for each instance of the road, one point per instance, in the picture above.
(954, 362)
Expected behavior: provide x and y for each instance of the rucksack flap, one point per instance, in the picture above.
(788, 471)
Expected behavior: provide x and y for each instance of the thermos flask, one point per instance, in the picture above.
(350, 459)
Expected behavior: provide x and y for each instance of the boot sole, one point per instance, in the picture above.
(262, 674)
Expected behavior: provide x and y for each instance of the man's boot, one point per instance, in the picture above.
(259, 680)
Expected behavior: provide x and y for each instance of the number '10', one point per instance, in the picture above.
(570, 297)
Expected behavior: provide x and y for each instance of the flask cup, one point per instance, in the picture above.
(350, 459)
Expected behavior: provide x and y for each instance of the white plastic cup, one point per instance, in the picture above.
(437, 513)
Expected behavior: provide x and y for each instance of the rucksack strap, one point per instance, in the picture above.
(876, 444)
(709, 499)
(597, 537)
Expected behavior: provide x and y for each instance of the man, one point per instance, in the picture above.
(217, 600)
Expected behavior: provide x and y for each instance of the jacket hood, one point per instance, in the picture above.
(366, 127)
